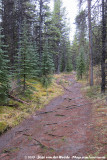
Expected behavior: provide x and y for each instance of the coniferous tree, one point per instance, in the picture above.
(90, 45)
(9, 26)
(74, 51)
(81, 27)
(4, 76)
(66, 59)
(80, 64)
(41, 16)
(57, 34)
(47, 65)
(26, 53)
(69, 58)
(58, 31)
(34, 60)
(103, 59)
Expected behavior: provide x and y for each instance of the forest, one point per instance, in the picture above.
(35, 48)
(35, 42)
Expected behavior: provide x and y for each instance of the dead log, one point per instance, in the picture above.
(18, 100)
(11, 105)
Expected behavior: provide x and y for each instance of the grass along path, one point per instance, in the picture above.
(15, 112)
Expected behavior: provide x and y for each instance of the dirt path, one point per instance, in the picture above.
(62, 128)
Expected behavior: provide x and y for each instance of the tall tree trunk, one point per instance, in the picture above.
(8, 25)
(19, 16)
(24, 83)
(103, 45)
(40, 31)
(58, 63)
(90, 45)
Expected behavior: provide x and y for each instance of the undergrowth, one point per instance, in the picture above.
(99, 119)
(37, 96)
(99, 113)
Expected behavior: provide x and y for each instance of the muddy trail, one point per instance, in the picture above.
(60, 130)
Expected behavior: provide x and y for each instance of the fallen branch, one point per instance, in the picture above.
(60, 115)
(50, 124)
(70, 99)
(45, 112)
(66, 88)
(54, 135)
(17, 99)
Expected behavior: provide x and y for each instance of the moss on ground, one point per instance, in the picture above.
(3, 127)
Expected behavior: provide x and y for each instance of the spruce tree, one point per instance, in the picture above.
(35, 70)
(69, 58)
(29, 58)
(55, 32)
(69, 65)
(4, 76)
(80, 64)
(47, 65)
(25, 51)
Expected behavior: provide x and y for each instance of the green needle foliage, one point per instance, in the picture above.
(47, 66)
(80, 64)
(69, 66)
(4, 76)
(28, 63)
(34, 61)
(23, 63)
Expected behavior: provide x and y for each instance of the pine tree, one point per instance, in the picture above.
(4, 76)
(80, 64)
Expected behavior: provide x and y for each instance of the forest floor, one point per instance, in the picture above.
(63, 129)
